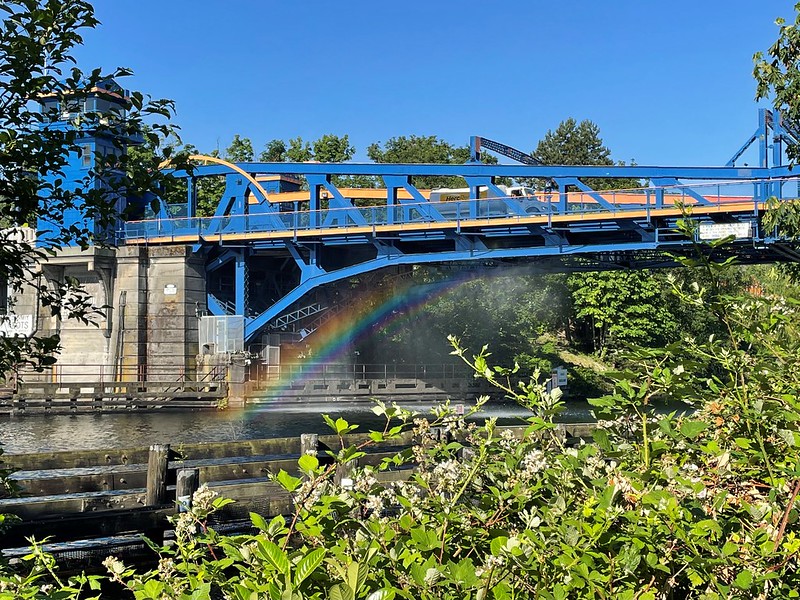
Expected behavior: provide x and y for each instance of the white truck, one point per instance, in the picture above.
(452, 202)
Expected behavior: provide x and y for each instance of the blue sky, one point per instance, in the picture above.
(669, 83)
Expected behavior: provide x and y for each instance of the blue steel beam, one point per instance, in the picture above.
(241, 282)
(671, 181)
(585, 188)
(253, 326)
(394, 183)
(515, 171)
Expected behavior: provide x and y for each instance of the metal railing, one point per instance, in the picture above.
(62, 373)
(259, 371)
(615, 203)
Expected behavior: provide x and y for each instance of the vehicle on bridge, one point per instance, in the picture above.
(453, 201)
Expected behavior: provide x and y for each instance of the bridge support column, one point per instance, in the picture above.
(130, 331)
(241, 283)
(176, 294)
(236, 382)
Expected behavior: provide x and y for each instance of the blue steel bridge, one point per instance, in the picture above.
(285, 234)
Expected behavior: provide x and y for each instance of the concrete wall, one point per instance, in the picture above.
(176, 296)
(148, 300)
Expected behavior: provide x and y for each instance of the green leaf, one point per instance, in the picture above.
(153, 589)
(258, 521)
(243, 593)
(425, 540)
(308, 463)
(329, 422)
(307, 565)
(729, 548)
(384, 594)
(341, 591)
(691, 429)
(288, 482)
(202, 592)
(600, 437)
(275, 556)
(744, 580)
(502, 591)
(498, 544)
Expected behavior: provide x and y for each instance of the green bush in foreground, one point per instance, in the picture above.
(660, 506)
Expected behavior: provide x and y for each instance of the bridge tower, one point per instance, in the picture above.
(96, 140)
(147, 299)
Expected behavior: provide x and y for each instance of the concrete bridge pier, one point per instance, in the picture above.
(148, 301)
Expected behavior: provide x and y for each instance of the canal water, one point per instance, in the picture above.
(47, 433)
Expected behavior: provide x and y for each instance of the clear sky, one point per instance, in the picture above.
(668, 83)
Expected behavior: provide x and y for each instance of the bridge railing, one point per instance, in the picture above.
(63, 374)
(634, 202)
(258, 371)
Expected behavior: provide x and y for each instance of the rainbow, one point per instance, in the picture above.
(387, 308)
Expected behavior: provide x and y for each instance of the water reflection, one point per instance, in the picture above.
(46, 433)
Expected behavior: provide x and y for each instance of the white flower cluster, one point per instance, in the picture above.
(309, 493)
(446, 475)
(421, 426)
(534, 462)
(595, 467)
(365, 481)
(508, 440)
(622, 485)
(374, 504)
(203, 499)
(185, 527)
(494, 562)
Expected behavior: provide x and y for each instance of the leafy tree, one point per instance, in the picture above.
(422, 149)
(611, 307)
(240, 150)
(332, 148)
(620, 307)
(299, 151)
(150, 156)
(778, 76)
(274, 151)
(210, 189)
(574, 143)
(37, 38)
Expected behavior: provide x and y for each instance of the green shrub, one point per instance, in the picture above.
(700, 506)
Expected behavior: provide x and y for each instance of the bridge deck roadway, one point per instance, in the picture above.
(197, 230)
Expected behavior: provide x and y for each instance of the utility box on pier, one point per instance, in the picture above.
(221, 335)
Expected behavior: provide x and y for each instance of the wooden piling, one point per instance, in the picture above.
(344, 473)
(309, 443)
(187, 483)
(157, 475)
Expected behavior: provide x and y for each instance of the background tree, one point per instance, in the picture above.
(274, 151)
(240, 150)
(299, 151)
(609, 307)
(778, 75)
(574, 143)
(422, 149)
(209, 190)
(612, 308)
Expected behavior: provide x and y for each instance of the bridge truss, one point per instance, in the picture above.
(285, 234)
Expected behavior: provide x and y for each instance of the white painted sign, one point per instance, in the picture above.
(561, 377)
(19, 235)
(170, 289)
(16, 325)
(716, 231)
